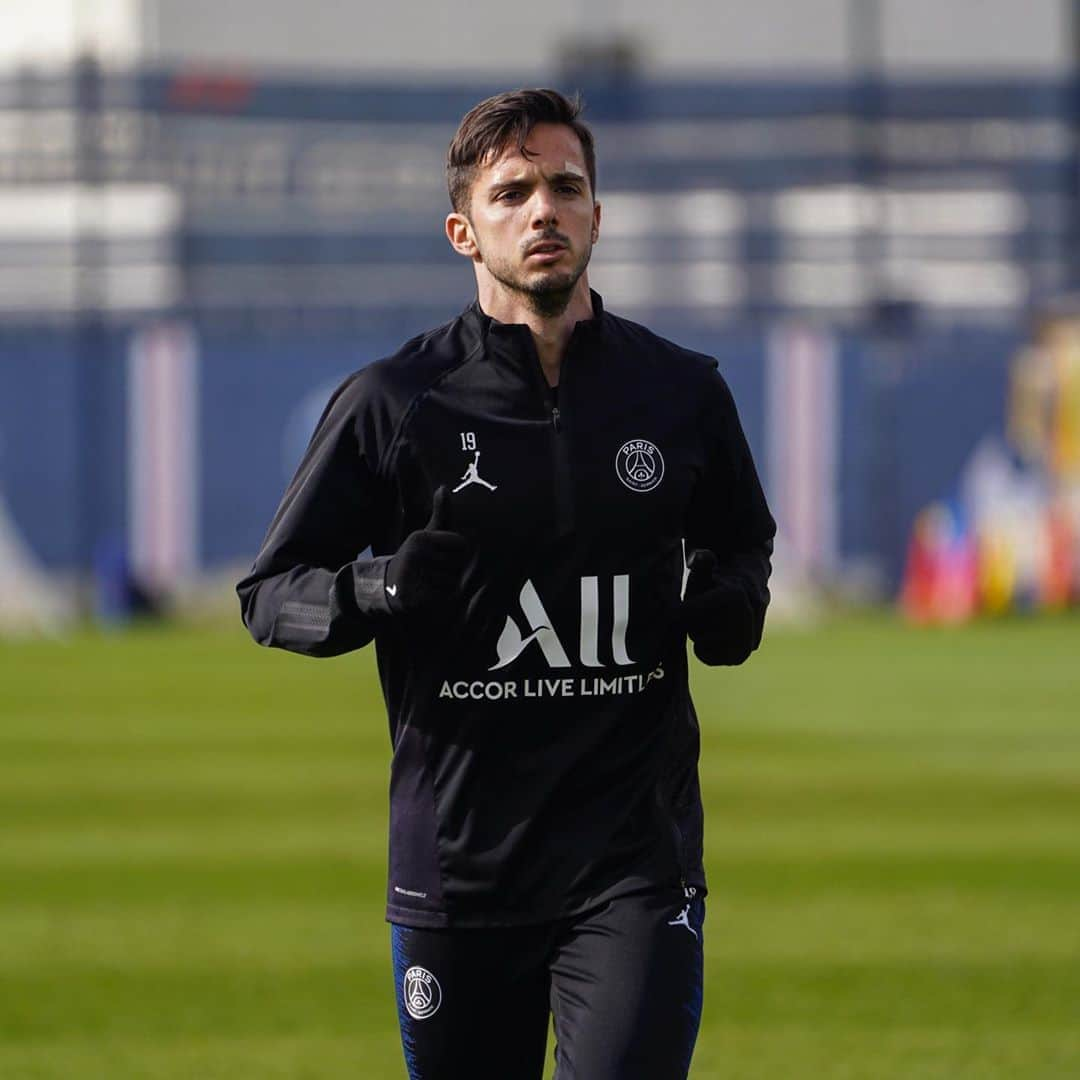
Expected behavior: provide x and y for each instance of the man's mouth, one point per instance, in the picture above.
(549, 249)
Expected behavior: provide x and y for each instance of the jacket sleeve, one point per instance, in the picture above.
(729, 517)
(308, 591)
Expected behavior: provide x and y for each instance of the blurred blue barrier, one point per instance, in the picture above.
(907, 423)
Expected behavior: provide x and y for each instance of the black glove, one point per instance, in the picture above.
(425, 573)
(716, 613)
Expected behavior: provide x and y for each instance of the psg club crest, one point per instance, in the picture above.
(639, 465)
(423, 995)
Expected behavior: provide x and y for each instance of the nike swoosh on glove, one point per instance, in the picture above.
(425, 573)
(716, 613)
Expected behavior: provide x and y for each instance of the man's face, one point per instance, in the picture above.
(532, 219)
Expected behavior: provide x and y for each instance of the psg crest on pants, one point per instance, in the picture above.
(423, 995)
(639, 465)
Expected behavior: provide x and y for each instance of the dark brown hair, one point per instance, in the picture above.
(505, 119)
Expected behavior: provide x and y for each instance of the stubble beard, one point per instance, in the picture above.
(547, 294)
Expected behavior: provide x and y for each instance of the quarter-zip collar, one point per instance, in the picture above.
(479, 318)
(512, 343)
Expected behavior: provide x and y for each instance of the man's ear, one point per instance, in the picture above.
(460, 234)
(595, 222)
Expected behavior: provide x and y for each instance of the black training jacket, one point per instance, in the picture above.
(544, 742)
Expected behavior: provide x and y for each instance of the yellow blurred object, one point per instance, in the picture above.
(997, 572)
(1064, 350)
(1044, 400)
(1029, 390)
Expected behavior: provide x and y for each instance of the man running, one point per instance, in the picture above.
(531, 626)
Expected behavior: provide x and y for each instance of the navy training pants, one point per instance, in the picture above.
(623, 983)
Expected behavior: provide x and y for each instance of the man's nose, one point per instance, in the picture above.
(543, 210)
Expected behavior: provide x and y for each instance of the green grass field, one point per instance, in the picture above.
(192, 846)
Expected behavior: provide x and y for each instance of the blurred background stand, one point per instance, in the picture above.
(210, 215)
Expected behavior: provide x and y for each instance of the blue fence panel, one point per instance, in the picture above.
(62, 441)
(912, 413)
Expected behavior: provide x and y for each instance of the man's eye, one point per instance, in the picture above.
(503, 196)
(570, 189)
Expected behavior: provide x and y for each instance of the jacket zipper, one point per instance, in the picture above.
(562, 479)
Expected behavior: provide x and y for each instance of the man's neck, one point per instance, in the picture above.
(551, 333)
